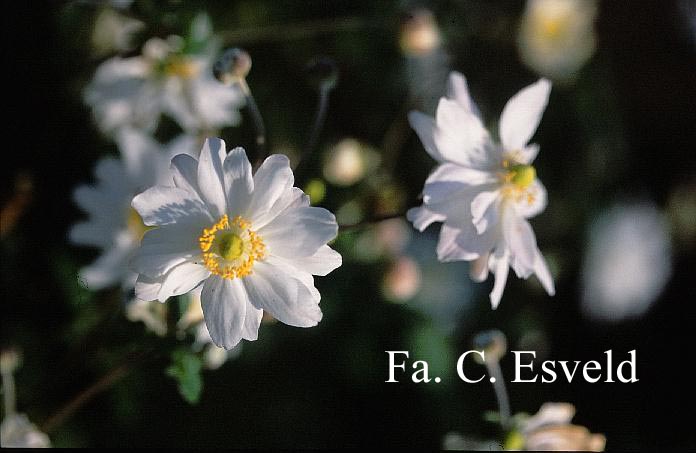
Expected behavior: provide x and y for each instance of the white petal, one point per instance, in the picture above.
(522, 113)
(542, 272)
(424, 126)
(184, 170)
(138, 150)
(211, 176)
(271, 180)
(461, 138)
(290, 267)
(91, 233)
(464, 175)
(422, 217)
(146, 288)
(109, 171)
(484, 209)
(215, 102)
(292, 198)
(286, 298)
(165, 247)
(501, 267)
(252, 322)
(321, 263)
(527, 154)
(299, 232)
(458, 90)
(224, 303)
(448, 182)
(520, 240)
(161, 205)
(449, 246)
(239, 182)
(107, 270)
(478, 269)
(182, 279)
(534, 202)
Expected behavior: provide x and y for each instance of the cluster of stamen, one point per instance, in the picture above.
(180, 66)
(517, 179)
(231, 248)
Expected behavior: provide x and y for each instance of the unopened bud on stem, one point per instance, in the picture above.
(232, 66)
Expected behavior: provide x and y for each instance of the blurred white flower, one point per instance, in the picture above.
(482, 191)
(550, 430)
(150, 312)
(252, 241)
(402, 280)
(348, 161)
(17, 431)
(114, 32)
(627, 262)
(557, 37)
(163, 80)
(113, 226)
(419, 33)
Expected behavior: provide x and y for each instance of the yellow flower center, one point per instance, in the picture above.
(180, 66)
(517, 179)
(135, 224)
(231, 248)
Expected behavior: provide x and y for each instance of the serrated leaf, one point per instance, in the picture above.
(186, 369)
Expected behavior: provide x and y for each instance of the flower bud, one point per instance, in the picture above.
(9, 360)
(234, 64)
(492, 342)
(419, 32)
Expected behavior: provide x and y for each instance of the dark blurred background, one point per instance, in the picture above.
(622, 129)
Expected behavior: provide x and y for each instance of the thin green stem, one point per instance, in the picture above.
(257, 119)
(501, 395)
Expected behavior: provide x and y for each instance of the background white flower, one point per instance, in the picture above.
(483, 191)
(627, 262)
(113, 226)
(253, 241)
(557, 37)
(135, 91)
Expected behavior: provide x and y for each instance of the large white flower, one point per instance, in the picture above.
(253, 241)
(484, 191)
(113, 226)
(135, 91)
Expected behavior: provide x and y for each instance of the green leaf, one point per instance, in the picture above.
(199, 34)
(186, 369)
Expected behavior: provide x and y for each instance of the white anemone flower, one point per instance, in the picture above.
(253, 242)
(113, 226)
(135, 91)
(627, 263)
(483, 192)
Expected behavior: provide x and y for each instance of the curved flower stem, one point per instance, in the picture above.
(105, 382)
(319, 119)
(500, 392)
(368, 222)
(317, 126)
(8, 390)
(257, 120)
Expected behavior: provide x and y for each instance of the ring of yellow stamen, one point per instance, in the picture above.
(180, 66)
(231, 248)
(517, 179)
